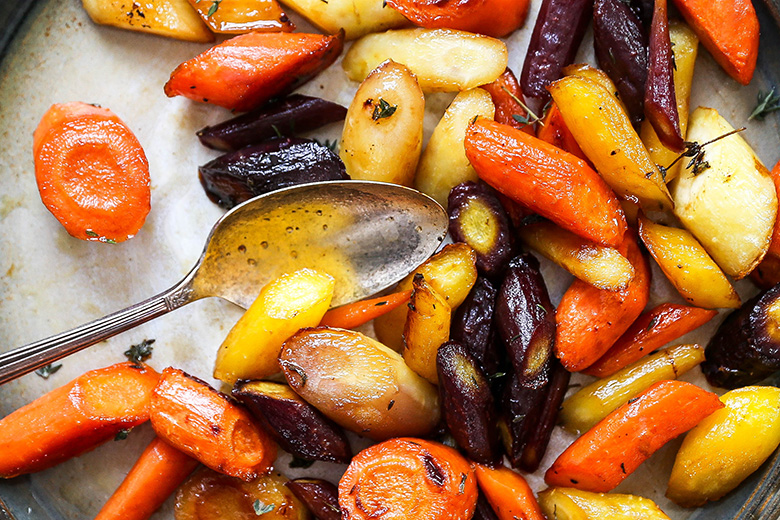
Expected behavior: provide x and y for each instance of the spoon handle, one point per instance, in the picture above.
(22, 360)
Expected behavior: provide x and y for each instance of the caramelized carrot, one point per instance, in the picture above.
(548, 180)
(610, 451)
(354, 314)
(508, 99)
(553, 130)
(652, 330)
(409, 478)
(497, 18)
(209, 426)
(91, 172)
(244, 72)
(729, 30)
(75, 418)
(774, 246)
(156, 474)
(591, 320)
(509, 494)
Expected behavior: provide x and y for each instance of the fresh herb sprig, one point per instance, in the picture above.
(695, 151)
(531, 117)
(139, 353)
(768, 102)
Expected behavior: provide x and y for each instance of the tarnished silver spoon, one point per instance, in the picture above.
(367, 235)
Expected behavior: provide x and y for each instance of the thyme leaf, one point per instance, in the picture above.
(767, 102)
(528, 119)
(695, 151)
(261, 509)
(46, 371)
(383, 110)
(139, 353)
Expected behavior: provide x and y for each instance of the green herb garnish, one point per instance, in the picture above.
(695, 151)
(261, 509)
(767, 102)
(383, 110)
(122, 434)
(214, 7)
(46, 371)
(137, 354)
(528, 119)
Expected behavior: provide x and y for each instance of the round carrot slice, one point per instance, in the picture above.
(92, 173)
(408, 478)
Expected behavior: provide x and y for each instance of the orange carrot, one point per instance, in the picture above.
(155, 476)
(244, 72)
(652, 330)
(91, 171)
(767, 273)
(509, 494)
(423, 479)
(554, 183)
(75, 418)
(774, 246)
(591, 320)
(354, 314)
(729, 30)
(553, 130)
(509, 102)
(610, 451)
(497, 18)
(209, 426)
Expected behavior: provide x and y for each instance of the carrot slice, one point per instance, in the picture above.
(408, 478)
(554, 183)
(729, 30)
(509, 494)
(209, 426)
(774, 246)
(156, 474)
(610, 451)
(508, 98)
(553, 130)
(651, 331)
(356, 314)
(244, 72)
(91, 172)
(591, 320)
(75, 418)
(497, 18)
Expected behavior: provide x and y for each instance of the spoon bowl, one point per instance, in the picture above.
(367, 235)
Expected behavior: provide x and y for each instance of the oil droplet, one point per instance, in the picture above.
(324, 227)
(242, 248)
(294, 254)
(289, 229)
(264, 244)
(251, 261)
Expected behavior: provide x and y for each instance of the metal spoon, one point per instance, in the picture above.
(367, 235)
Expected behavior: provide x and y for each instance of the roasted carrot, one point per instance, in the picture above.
(510, 105)
(610, 451)
(209, 426)
(509, 494)
(75, 418)
(354, 314)
(591, 320)
(244, 72)
(553, 130)
(774, 246)
(156, 474)
(729, 30)
(497, 18)
(91, 172)
(409, 478)
(554, 183)
(767, 273)
(652, 330)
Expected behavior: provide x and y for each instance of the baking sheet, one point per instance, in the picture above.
(50, 281)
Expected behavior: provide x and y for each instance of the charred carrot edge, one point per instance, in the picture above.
(553, 130)
(651, 331)
(509, 101)
(774, 246)
(209, 426)
(610, 451)
(244, 72)
(536, 173)
(75, 418)
(590, 320)
(729, 30)
(427, 478)
(508, 493)
(156, 474)
(355, 314)
(91, 172)
(496, 18)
